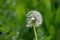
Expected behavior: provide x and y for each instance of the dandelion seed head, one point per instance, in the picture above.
(34, 16)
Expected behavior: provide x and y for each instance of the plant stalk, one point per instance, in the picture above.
(35, 33)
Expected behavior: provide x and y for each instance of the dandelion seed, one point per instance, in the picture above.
(34, 17)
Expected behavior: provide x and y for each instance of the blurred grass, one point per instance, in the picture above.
(13, 19)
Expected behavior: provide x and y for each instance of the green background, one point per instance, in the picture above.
(13, 19)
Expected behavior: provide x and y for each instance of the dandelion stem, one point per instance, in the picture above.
(35, 33)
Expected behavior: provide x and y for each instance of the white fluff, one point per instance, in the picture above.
(30, 16)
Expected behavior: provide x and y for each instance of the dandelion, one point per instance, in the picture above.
(34, 19)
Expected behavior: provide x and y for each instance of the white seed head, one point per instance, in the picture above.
(32, 18)
(34, 15)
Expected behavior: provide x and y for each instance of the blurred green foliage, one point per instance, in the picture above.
(13, 19)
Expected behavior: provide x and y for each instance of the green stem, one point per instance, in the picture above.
(35, 33)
